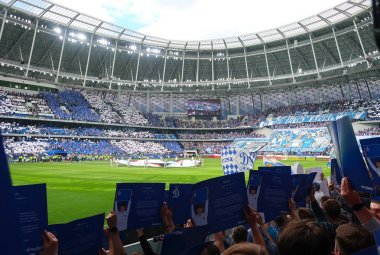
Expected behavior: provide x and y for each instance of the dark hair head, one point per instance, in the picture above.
(245, 249)
(281, 221)
(332, 208)
(304, 237)
(211, 250)
(351, 238)
(305, 214)
(240, 234)
(324, 199)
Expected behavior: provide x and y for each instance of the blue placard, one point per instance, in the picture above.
(371, 152)
(31, 206)
(301, 185)
(348, 155)
(226, 198)
(273, 193)
(336, 172)
(179, 200)
(79, 237)
(138, 205)
(283, 169)
(372, 250)
(183, 239)
(10, 242)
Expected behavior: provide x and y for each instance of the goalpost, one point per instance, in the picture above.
(190, 153)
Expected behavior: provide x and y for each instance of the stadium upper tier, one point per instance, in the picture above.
(74, 106)
(50, 43)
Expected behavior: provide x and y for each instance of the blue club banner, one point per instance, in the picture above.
(235, 160)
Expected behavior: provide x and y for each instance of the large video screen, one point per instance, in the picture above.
(204, 107)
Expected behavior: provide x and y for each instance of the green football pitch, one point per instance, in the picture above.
(77, 190)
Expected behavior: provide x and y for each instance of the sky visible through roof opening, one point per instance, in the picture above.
(199, 19)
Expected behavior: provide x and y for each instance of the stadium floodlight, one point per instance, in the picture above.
(103, 41)
(133, 47)
(57, 30)
(81, 37)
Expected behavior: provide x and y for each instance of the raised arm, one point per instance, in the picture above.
(50, 243)
(147, 248)
(319, 214)
(167, 218)
(117, 246)
(252, 218)
(361, 211)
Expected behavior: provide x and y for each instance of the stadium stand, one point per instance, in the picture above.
(284, 84)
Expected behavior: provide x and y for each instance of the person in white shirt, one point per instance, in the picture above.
(318, 193)
(200, 218)
(252, 197)
(323, 184)
(122, 212)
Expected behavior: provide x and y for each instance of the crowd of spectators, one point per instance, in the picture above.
(39, 147)
(15, 148)
(230, 123)
(368, 131)
(20, 104)
(106, 112)
(300, 125)
(107, 107)
(205, 148)
(131, 147)
(70, 105)
(373, 109)
(220, 135)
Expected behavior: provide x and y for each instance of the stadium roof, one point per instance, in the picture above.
(43, 41)
(73, 19)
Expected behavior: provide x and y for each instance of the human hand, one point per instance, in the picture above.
(312, 193)
(331, 186)
(111, 220)
(164, 210)
(50, 243)
(250, 215)
(350, 195)
(292, 205)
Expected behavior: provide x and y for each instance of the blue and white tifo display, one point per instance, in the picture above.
(282, 120)
(298, 140)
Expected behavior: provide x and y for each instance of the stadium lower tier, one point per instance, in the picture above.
(39, 141)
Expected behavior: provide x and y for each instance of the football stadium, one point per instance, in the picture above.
(260, 143)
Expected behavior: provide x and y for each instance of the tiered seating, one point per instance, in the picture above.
(220, 135)
(85, 147)
(107, 114)
(70, 104)
(133, 147)
(369, 131)
(206, 147)
(15, 148)
(129, 115)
